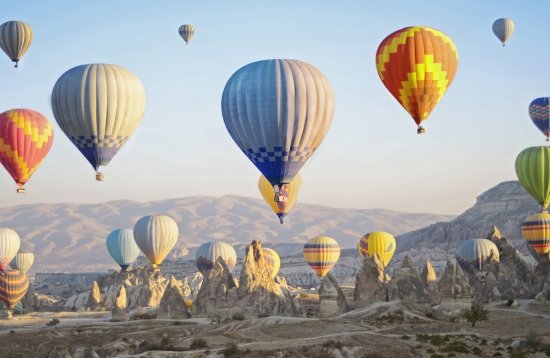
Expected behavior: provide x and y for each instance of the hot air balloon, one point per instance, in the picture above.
(539, 111)
(476, 252)
(533, 172)
(377, 242)
(503, 29)
(278, 112)
(22, 261)
(536, 231)
(186, 32)
(417, 65)
(155, 236)
(15, 39)
(13, 287)
(321, 253)
(273, 261)
(26, 137)
(281, 208)
(122, 247)
(9, 245)
(98, 106)
(208, 253)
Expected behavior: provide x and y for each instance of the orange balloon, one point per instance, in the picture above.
(417, 65)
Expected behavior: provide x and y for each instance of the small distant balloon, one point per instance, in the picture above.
(207, 254)
(321, 254)
(186, 32)
(273, 261)
(22, 261)
(503, 29)
(155, 236)
(539, 111)
(122, 247)
(476, 252)
(15, 39)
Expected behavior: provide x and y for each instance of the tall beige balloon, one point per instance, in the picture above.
(15, 39)
(186, 32)
(9, 245)
(503, 29)
(98, 106)
(155, 236)
(22, 261)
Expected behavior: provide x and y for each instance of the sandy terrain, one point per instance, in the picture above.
(360, 333)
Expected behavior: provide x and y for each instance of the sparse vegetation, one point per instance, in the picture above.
(456, 346)
(477, 351)
(53, 322)
(230, 350)
(405, 337)
(476, 313)
(198, 343)
(333, 344)
(238, 316)
(263, 315)
(391, 317)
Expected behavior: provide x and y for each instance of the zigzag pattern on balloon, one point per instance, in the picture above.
(25, 139)
(416, 79)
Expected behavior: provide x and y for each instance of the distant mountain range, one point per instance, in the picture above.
(506, 206)
(71, 238)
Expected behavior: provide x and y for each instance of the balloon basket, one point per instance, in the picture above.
(21, 190)
(99, 176)
(420, 130)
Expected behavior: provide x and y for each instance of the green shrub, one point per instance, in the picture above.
(238, 316)
(53, 322)
(333, 344)
(198, 343)
(456, 346)
(476, 313)
(405, 337)
(230, 349)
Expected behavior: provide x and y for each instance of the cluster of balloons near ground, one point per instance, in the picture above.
(293, 106)
(13, 283)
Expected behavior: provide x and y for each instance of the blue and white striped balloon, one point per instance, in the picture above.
(122, 247)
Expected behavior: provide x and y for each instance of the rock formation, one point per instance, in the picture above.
(406, 284)
(258, 293)
(332, 301)
(94, 300)
(120, 308)
(218, 290)
(173, 305)
(41, 302)
(453, 282)
(429, 280)
(371, 282)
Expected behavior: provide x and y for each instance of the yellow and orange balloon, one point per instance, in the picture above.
(281, 208)
(535, 229)
(321, 253)
(377, 242)
(26, 137)
(417, 65)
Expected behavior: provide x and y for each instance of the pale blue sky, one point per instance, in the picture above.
(372, 156)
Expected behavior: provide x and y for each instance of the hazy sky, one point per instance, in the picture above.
(371, 157)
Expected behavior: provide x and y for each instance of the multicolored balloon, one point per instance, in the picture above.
(22, 261)
(503, 29)
(536, 231)
(273, 261)
(155, 236)
(98, 107)
(186, 32)
(533, 172)
(476, 252)
(281, 208)
(417, 65)
(122, 247)
(321, 254)
(289, 110)
(377, 242)
(9, 245)
(539, 111)
(15, 39)
(208, 253)
(13, 287)
(26, 137)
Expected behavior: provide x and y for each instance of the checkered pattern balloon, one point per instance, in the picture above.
(539, 111)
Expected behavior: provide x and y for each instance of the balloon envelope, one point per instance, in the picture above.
(13, 287)
(378, 242)
(273, 261)
(503, 29)
(281, 208)
(22, 261)
(186, 32)
(98, 107)
(278, 112)
(539, 111)
(476, 252)
(122, 247)
(321, 253)
(207, 254)
(26, 137)
(155, 236)
(9, 245)
(536, 231)
(417, 65)
(15, 39)
(533, 172)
